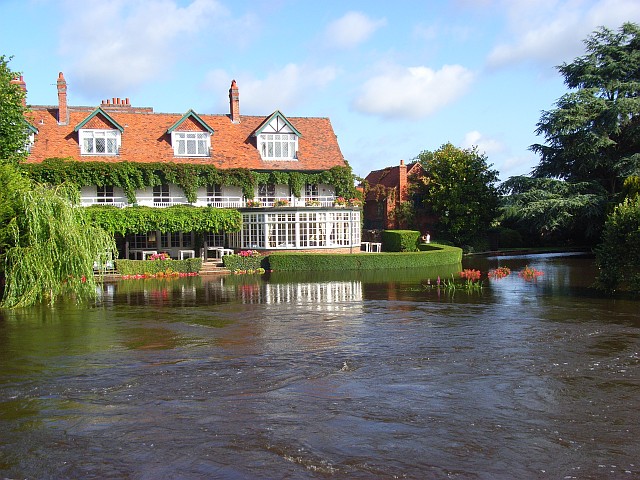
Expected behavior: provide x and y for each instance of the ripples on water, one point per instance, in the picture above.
(346, 377)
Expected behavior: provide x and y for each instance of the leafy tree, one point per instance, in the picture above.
(593, 134)
(13, 129)
(47, 248)
(553, 211)
(618, 256)
(459, 190)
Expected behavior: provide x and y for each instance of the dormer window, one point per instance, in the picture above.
(99, 134)
(278, 146)
(99, 142)
(277, 138)
(191, 144)
(190, 136)
(31, 140)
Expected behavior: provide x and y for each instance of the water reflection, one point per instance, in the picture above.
(344, 375)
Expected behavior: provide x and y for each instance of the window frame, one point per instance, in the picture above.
(272, 148)
(92, 135)
(202, 146)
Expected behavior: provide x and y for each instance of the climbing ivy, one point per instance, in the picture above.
(179, 218)
(131, 176)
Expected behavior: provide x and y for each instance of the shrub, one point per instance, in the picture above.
(400, 240)
(310, 262)
(244, 261)
(618, 256)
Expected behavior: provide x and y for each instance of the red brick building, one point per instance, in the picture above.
(388, 188)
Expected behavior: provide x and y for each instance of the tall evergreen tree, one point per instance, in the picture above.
(593, 134)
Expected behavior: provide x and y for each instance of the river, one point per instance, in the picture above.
(345, 375)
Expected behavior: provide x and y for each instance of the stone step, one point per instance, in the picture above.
(213, 268)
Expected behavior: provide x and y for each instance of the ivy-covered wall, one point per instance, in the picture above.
(179, 218)
(131, 176)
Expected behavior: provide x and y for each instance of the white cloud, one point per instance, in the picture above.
(351, 30)
(121, 44)
(516, 165)
(485, 145)
(413, 92)
(553, 31)
(283, 89)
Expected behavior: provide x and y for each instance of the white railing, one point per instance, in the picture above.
(220, 202)
(112, 201)
(217, 202)
(161, 202)
(326, 201)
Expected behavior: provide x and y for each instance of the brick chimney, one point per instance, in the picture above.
(63, 112)
(23, 86)
(234, 102)
(402, 182)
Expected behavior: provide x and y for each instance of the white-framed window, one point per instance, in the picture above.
(281, 230)
(161, 195)
(214, 192)
(311, 191)
(99, 142)
(278, 146)
(253, 230)
(104, 193)
(31, 141)
(191, 144)
(327, 229)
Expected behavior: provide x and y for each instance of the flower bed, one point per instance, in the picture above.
(245, 261)
(153, 267)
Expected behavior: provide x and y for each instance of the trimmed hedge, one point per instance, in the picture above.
(300, 261)
(400, 240)
(140, 267)
(239, 263)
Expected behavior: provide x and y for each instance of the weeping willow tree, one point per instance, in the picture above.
(47, 248)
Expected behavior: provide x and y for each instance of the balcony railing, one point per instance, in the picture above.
(220, 202)
(326, 201)
(217, 202)
(111, 201)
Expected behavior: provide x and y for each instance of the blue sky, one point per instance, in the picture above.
(395, 78)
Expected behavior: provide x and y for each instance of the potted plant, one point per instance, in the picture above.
(340, 202)
(281, 202)
(254, 203)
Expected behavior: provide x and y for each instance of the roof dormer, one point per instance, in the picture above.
(99, 134)
(190, 136)
(32, 131)
(277, 139)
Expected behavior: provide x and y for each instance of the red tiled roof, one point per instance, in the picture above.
(145, 139)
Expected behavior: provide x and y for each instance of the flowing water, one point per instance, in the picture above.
(360, 376)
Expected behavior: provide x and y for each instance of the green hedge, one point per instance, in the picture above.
(178, 218)
(140, 267)
(400, 240)
(294, 261)
(238, 262)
